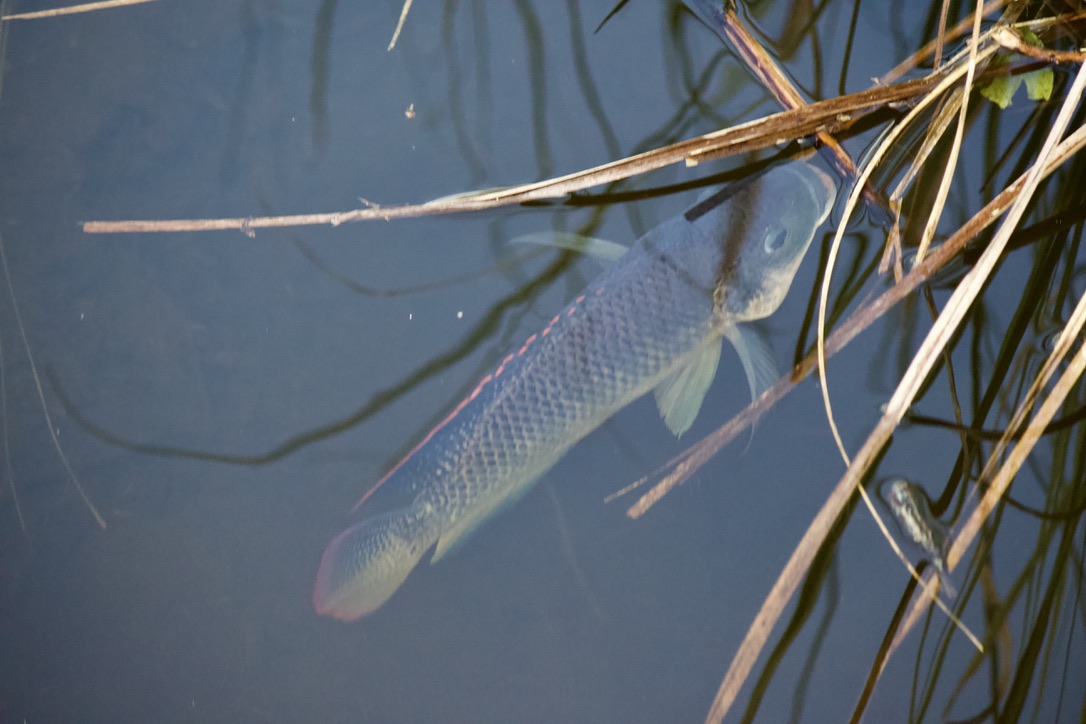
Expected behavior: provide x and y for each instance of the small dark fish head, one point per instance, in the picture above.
(771, 223)
(899, 492)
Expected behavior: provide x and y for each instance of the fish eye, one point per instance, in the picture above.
(775, 239)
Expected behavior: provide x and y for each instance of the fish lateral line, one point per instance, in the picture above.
(475, 393)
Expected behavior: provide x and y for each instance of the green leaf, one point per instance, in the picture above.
(1039, 84)
(1001, 90)
(1030, 37)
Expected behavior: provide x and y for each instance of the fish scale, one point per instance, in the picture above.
(656, 317)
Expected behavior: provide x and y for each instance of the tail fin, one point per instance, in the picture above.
(366, 563)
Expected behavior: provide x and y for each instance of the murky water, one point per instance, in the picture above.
(224, 400)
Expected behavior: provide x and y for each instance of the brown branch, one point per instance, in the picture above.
(952, 34)
(941, 332)
(688, 461)
(1011, 40)
(768, 72)
(831, 115)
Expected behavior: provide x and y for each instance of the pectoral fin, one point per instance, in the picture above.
(755, 357)
(601, 250)
(679, 396)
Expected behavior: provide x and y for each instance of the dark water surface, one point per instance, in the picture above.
(238, 394)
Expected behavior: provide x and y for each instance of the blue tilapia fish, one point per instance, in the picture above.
(909, 503)
(652, 321)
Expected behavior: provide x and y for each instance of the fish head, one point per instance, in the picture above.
(900, 494)
(768, 229)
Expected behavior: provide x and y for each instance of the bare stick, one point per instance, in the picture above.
(1001, 480)
(686, 463)
(929, 50)
(73, 9)
(399, 25)
(1011, 40)
(830, 115)
(922, 363)
(767, 71)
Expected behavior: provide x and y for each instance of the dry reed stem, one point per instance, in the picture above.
(1011, 40)
(687, 462)
(956, 144)
(399, 24)
(919, 368)
(73, 9)
(936, 128)
(940, 37)
(948, 322)
(830, 115)
(884, 146)
(929, 49)
(769, 73)
(1001, 479)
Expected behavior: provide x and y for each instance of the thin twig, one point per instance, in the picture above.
(399, 24)
(686, 463)
(1011, 40)
(951, 165)
(73, 9)
(1003, 477)
(928, 50)
(831, 115)
(917, 371)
